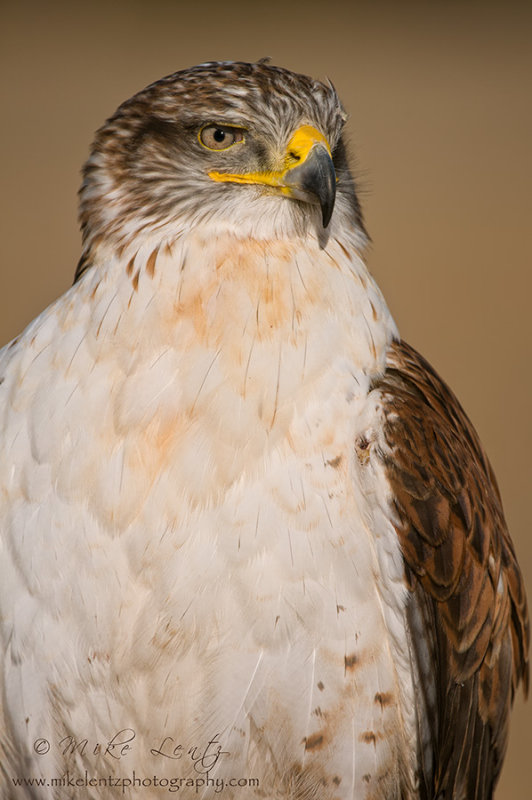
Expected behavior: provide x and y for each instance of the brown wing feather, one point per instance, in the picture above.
(468, 614)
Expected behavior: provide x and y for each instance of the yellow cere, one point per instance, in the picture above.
(302, 143)
(297, 151)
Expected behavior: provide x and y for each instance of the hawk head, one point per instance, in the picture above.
(249, 146)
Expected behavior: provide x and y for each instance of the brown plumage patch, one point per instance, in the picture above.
(314, 742)
(362, 449)
(135, 280)
(82, 266)
(335, 462)
(460, 566)
(368, 737)
(150, 263)
(383, 698)
(350, 661)
(129, 268)
(344, 250)
(321, 687)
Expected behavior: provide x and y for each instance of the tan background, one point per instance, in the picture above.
(440, 100)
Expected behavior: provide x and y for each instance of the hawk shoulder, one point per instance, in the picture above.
(467, 609)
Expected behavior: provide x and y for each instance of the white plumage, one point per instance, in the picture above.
(179, 524)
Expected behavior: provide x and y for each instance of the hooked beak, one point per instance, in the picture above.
(307, 173)
(314, 180)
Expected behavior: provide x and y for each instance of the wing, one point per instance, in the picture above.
(467, 607)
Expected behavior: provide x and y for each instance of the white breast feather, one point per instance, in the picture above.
(192, 540)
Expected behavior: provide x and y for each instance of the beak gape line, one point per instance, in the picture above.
(308, 174)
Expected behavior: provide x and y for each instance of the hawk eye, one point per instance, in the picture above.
(220, 137)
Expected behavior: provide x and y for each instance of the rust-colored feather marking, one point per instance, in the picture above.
(350, 662)
(383, 698)
(150, 263)
(315, 741)
(461, 568)
(95, 290)
(368, 737)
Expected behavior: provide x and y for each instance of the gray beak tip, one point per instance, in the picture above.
(315, 180)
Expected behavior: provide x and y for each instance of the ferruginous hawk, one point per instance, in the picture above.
(251, 544)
